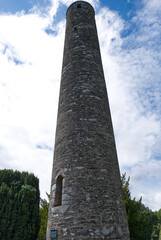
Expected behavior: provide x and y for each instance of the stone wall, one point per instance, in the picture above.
(85, 155)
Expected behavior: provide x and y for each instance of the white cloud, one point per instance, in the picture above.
(132, 70)
(29, 85)
(146, 182)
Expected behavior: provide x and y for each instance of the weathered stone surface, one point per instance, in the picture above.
(85, 154)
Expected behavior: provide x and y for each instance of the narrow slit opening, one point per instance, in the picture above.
(75, 29)
(58, 191)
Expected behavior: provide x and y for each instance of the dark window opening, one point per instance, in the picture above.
(58, 191)
(75, 29)
(78, 5)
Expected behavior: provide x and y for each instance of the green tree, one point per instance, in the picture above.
(136, 219)
(44, 206)
(156, 235)
(151, 228)
(159, 215)
(19, 205)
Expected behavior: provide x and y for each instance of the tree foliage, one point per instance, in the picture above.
(143, 223)
(44, 205)
(19, 205)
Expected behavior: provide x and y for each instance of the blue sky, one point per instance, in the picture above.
(31, 50)
(14, 6)
(125, 8)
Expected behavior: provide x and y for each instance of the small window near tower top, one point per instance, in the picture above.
(75, 29)
(78, 5)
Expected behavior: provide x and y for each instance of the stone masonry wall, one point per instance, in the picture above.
(85, 154)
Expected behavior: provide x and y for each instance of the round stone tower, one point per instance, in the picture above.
(86, 196)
